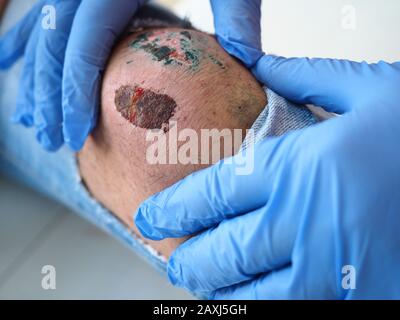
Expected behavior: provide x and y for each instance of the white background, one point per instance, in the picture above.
(314, 27)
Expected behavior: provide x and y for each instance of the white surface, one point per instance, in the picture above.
(314, 28)
(89, 264)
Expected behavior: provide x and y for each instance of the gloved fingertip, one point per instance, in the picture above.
(24, 119)
(174, 272)
(50, 144)
(249, 56)
(4, 65)
(144, 225)
(212, 295)
(74, 144)
(75, 135)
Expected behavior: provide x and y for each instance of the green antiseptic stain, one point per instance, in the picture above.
(140, 39)
(192, 54)
(187, 53)
(158, 52)
(216, 61)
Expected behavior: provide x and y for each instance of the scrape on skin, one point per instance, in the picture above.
(144, 108)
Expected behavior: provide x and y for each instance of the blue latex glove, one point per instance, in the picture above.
(60, 82)
(237, 27)
(318, 200)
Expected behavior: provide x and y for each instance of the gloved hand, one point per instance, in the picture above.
(237, 28)
(60, 82)
(319, 216)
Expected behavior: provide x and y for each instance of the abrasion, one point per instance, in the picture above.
(143, 107)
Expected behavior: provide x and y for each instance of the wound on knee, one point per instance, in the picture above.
(144, 108)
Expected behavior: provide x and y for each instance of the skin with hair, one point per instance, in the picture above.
(153, 77)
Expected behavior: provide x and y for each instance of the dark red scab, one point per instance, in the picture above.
(144, 108)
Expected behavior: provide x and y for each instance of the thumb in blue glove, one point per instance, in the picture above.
(237, 27)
